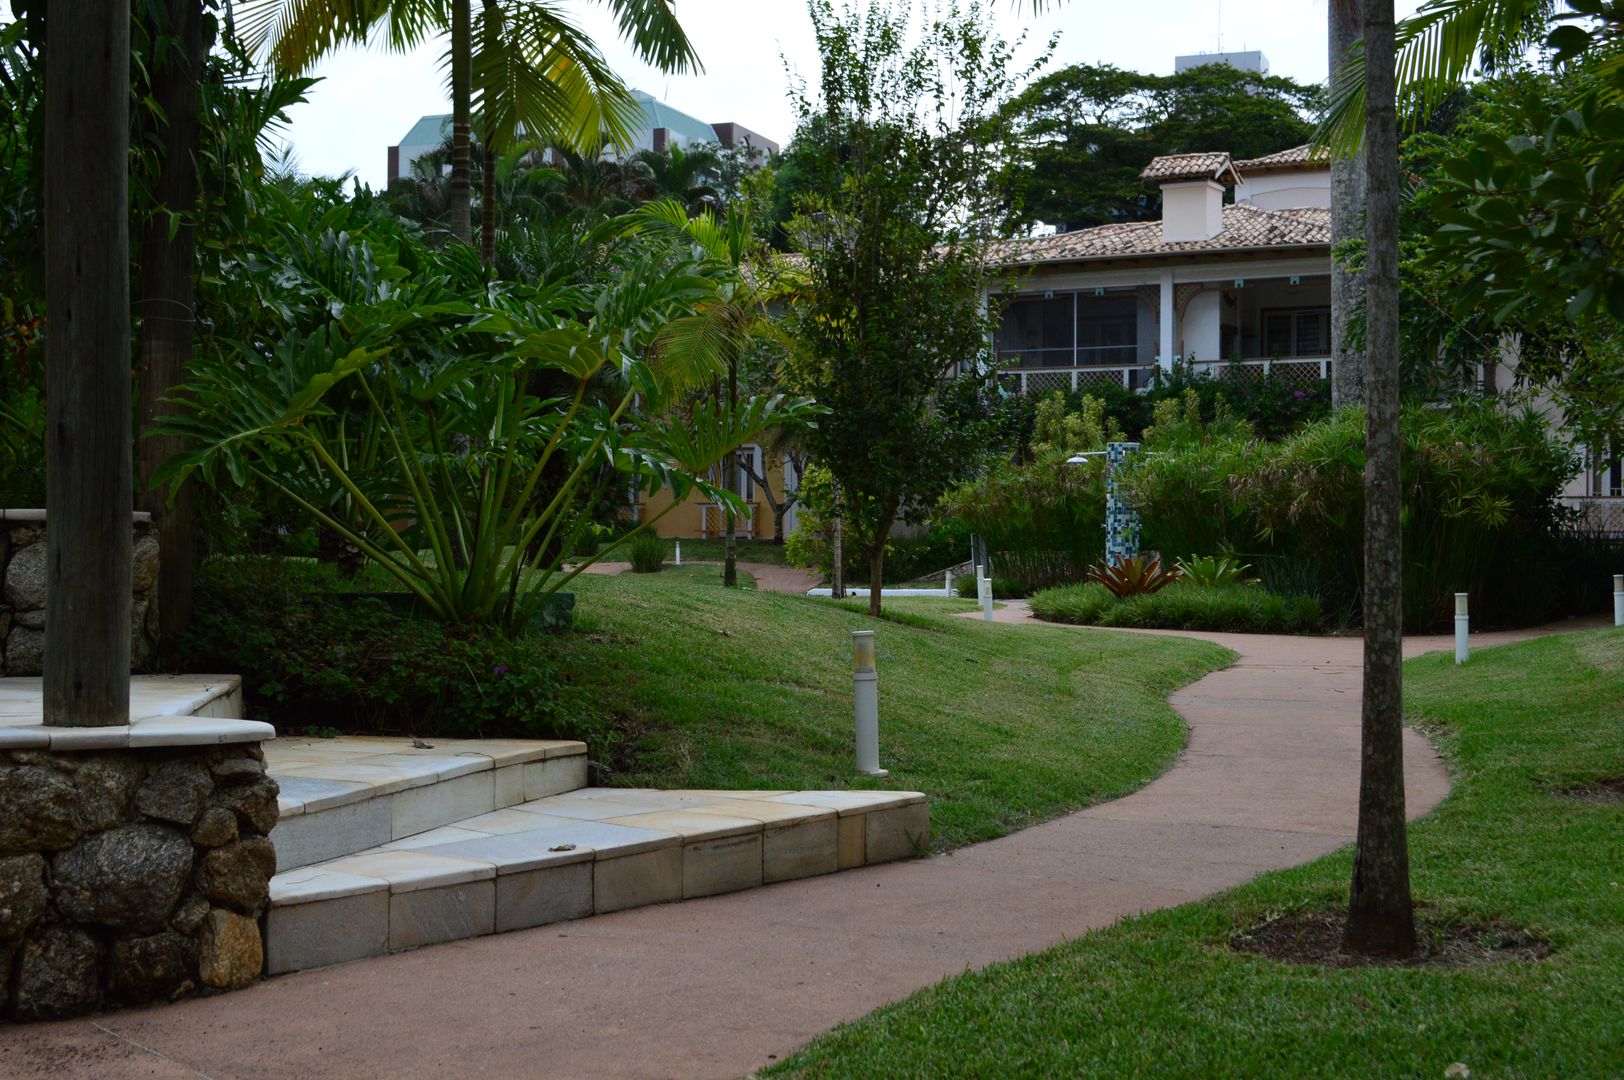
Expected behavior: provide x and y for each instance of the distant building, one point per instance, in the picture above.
(1241, 61)
(661, 127)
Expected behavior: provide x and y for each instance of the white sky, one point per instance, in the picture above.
(370, 97)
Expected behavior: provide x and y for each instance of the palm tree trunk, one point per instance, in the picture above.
(462, 77)
(1347, 212)
(487, 205)
(1381, 916)
(167, 294)
(730, 546)
(487, 176)
(87, 363)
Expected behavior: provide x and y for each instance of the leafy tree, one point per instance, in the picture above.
(1084, 134)
(687, 176)
(893, 337)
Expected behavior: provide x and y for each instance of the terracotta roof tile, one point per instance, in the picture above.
(1174, 167)
(1298, 157)
(1245, 227)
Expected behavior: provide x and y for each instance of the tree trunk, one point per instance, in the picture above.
(730, 546)
(167, 294)
(462, 72)
(1347, 211)
(876, 557)
(87, 363)
(487, 177)
(1381, 917)
(838, 579)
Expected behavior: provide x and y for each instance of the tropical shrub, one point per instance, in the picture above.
(315, 651)
(1214, 570)
(453, 428)
(646, 551)
(1187, 607)
(1043, 520)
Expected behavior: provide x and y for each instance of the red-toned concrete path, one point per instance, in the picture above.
(720, 987)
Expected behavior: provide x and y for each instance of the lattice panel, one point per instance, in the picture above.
(1091, 380)
(1042, 382)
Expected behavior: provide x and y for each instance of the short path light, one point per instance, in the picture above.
(1618, 599)
(1462, 626)
(984, 594)
(865, 686)
(679, 553)
(947, 586)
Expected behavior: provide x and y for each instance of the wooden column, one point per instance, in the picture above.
(88, 493)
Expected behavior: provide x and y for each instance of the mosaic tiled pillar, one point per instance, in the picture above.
(1121, 519)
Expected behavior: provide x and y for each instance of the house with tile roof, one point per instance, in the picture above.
(1236, 271)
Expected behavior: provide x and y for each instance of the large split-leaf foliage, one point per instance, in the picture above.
(454, 428)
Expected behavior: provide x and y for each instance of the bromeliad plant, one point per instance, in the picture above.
(453, 441)
(1215, 570)
(1134, 575)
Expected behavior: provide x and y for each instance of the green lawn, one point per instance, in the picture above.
(1003, 726)
(1163, 995)
(756, 551)
(694, 573)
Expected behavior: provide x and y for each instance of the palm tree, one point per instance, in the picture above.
(533, 70)
(727, 324)
(1381, 913)
(684, 175)
(1347, 209)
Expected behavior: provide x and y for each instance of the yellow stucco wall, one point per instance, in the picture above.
(692, 519)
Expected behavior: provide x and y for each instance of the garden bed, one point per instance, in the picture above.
(1242, 608)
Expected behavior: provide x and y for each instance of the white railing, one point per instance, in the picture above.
(1300, 370)
(1599, 515)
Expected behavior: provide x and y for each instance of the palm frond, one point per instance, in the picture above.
(653, 30)
(1435, 48)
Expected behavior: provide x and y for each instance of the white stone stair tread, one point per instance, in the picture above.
(565, 856)
(851, 802)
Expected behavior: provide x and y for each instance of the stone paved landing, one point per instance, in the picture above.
(344, 795)
(588, 851)
(165, 710)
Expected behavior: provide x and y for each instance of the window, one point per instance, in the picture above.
(1070, 330)
(744, 484)
(1297, 332)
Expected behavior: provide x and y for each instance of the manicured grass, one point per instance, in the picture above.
(1003, 726)
(1244, 608)
(696, 573)
(711, 550)
(1163, 994)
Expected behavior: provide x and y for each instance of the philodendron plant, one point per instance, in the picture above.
(452, 441)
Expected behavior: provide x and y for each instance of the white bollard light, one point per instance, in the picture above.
(1462, 626)
(1618, 599)
(865, 685)
(679, 552)
(984, 593)
(947, 586)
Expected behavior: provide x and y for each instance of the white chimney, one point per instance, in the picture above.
(1192, 210)
(1192, 194)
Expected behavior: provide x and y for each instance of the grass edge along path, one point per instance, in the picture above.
(1164, 993)
(1002, 727)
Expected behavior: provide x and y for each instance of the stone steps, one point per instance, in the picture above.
(345, 795)
(564, 856)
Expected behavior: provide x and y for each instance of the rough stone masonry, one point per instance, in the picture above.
(130, 876)
(22, 593)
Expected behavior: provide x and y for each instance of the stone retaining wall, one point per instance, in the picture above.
(22, 592)
(131, 875)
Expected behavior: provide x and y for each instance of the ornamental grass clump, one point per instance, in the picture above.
(646, 552)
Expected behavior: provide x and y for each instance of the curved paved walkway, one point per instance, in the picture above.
(770, 577)
(722, 986)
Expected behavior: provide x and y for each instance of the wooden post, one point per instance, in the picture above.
(88, 492)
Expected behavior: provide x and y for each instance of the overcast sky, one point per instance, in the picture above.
(370, 97)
